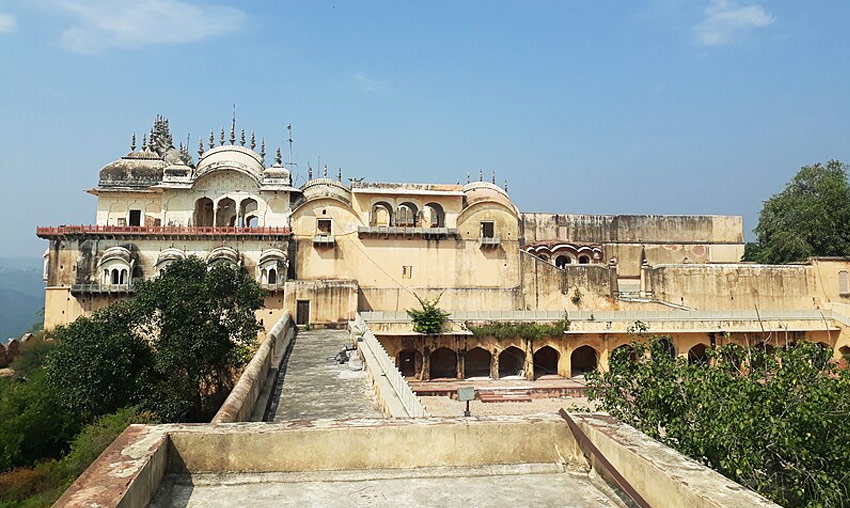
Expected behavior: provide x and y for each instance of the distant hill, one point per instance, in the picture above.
(21, 295)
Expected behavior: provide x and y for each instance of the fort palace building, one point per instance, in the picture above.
(329, 248)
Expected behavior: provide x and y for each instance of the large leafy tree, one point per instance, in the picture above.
(201, 325)
(811, 217)
(772, 421)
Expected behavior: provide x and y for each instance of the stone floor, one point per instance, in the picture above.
(314, 385)
(538, 485)
(448, 407)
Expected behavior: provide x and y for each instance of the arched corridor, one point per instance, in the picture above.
(582, 360)
(477, 363)
(511, 362)
(443, 363)
(545, 362)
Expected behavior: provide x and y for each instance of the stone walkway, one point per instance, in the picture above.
(313, 385)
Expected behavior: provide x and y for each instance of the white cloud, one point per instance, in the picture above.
(369, 84)
(8, 23)
(726, 20)
(104, 24)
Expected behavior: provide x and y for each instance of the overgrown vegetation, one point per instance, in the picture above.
(772, 421)
(529, 331)
(170, 354)
(430, 319)
(811, 217)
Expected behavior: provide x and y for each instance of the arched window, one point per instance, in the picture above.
(272, 277)
(116, 277)
(272, 266)
(247, 211)
(512, 362)
(697, 356)
(381, 215)
(433, 216)
(843, 283)
(117, 266)
(406, 216)
(583, 260)
(409, 362)
(562, 261)
(477, 363)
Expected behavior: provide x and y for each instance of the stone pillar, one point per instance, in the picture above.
(215, 214)
(529, 360)
(461, 364)
(426, 363)
(494, 365)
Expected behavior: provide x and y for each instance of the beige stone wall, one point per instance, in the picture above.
(115, 206)
(735, 287)
(662, 239)
(362, 203)
(546, 287)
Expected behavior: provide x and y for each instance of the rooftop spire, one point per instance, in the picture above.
(467, 177)
(506, 185)
(144, 142)
(212, 139)
(253, 141)
(278, 159)
(326, 171)
(233, 127)
(263, 150)
(221, 137)
(309, 172)
(339, 175)
(242, 138)
(200, 147)
(480, 175)
(493, 179)
(133, 142)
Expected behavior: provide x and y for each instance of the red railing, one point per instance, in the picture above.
(159, 230)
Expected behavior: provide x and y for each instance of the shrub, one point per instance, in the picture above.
(430, 319)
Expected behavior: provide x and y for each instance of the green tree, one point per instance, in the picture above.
(430, 319)
(811, 217)
(100, 363)
(770, 421)
(201, 325)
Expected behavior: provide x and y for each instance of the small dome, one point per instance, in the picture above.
(485, 191)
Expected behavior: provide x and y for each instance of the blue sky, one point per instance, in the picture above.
(664, 106)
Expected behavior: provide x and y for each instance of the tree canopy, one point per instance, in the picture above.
(811, 217)
(772, 421)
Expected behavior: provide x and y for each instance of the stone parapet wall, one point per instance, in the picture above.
(240, 403)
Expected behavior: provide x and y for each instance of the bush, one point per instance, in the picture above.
(528, 331)
(430, 319)
(770, 421)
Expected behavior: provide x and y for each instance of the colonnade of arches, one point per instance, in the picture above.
(407, 214)
(225, 213)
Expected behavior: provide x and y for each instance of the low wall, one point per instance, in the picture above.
(242, 399)
(661, 475)
(547, 287)
(395, 396)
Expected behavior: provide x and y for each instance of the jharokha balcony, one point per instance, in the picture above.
(63, 232)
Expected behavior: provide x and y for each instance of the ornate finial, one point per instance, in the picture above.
(339, 175)
(493, 178)
(253, 141)
(309, 172)
(133, 142)
(233, 127)
(278, 159)
(242, 138)
(221, 137)
(212, 138)
(263, 149)
(480, 175)
(467, 177)
(506, 185)
(200, 146)
(144, 142)
(326, 171)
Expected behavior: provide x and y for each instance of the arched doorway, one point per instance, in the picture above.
(511, 362)
(247, 212)
(225, 215)
(409, 362)
(546, 362)
(477, 363)
(627, 351)
(844, 353)
(443, 363)
(697, 356)
(582, 360)
(203, 213)
(665, 346)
